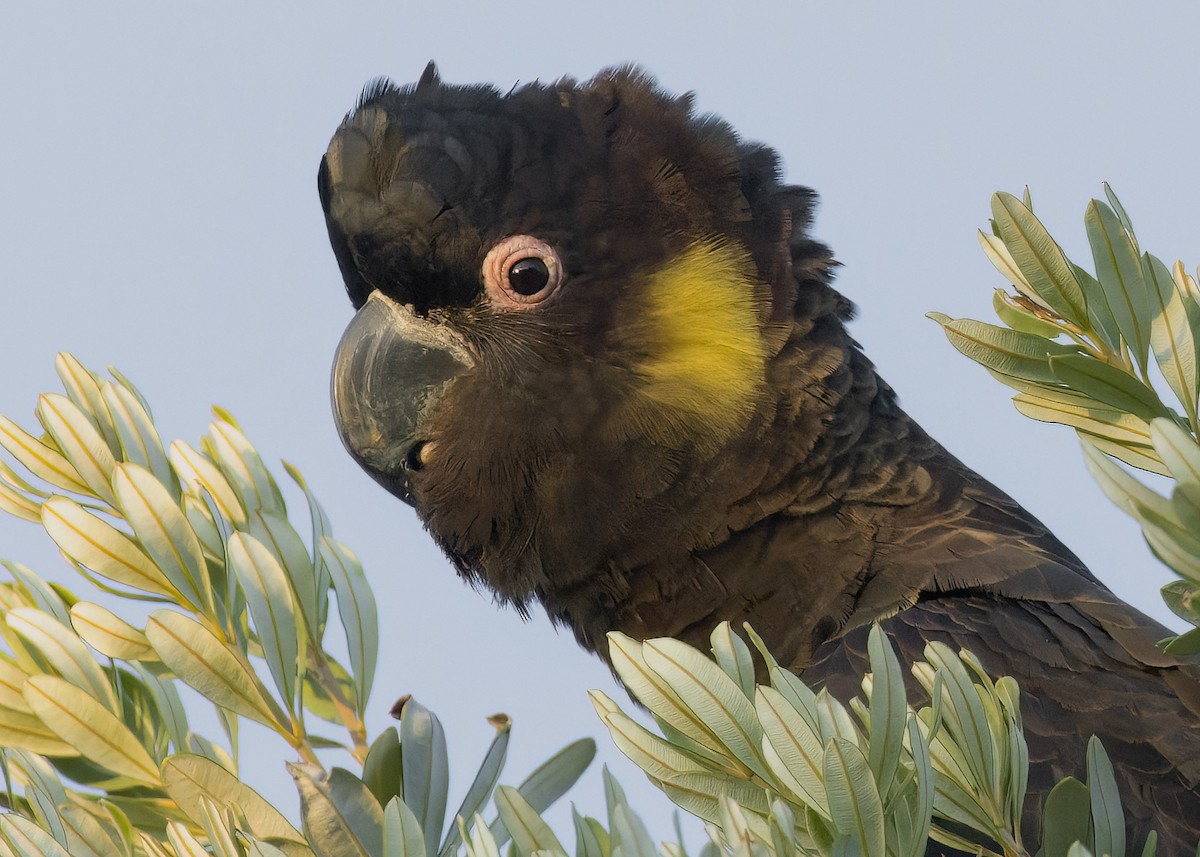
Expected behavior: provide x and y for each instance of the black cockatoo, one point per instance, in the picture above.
(599, 352)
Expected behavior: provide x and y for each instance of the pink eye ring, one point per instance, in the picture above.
(521, 271)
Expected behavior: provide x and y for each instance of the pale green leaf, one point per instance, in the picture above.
(426, 769)
(1021, 318)
(889, 708)
(1172, 338)
(210, 666)
(529, 832)
(1107, 384)
(109, 634)
(244, 469)
(76, 717)
(402, 834)
(83, 388)
(1119, 271)
(24, 730)
(1008, 352)
(383, 768)
(356, 607)
(164, 532)
(715, 699)
(41, 460)
(320, 529)
(797, 753)
(138, 436)
(551, 780)
(1065, 818)
(998, 255)
(101, 547)
(733, 656)
(483, 784)
(342, 817)
(64, 651)
(27, 839)
(276, 532)
(79, 440)
(188, 778)
(269, 597)
(1038, 257)
(1108, 819)
(199, 473)
(1117, 426)
(658, 758)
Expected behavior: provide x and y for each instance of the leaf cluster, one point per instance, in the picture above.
(97, 750)
(1111, 354)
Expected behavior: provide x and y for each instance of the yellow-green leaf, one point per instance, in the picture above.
(79, 440)
(109, 634)
(164, 531)
(42, 461)
(210, 666)
(77, 718)
(99, 546)
(188, 779)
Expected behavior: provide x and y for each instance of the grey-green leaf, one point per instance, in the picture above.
(402, 834)
(426, 769)
(1038, 257)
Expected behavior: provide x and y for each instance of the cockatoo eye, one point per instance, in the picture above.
(521, 271)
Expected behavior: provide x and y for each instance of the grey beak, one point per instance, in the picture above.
(389, 369)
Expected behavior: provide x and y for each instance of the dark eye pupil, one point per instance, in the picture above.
(528, 276)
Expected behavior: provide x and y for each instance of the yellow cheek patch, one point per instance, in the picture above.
(699, 346)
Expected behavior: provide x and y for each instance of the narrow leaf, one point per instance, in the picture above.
(269, 597)
(356, 607)
(95, 731)
(1038, 257)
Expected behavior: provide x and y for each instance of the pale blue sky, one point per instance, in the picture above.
(160, 213)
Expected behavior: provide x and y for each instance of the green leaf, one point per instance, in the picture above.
(102, 548)
(188, 779)
(1183, 599)
(342, 817)
(76, 717)
(79, 440)
(24, 730)
(733, 656)
(382, 770)
(356, 607)
(277, 533)
(1008, 352)
(1180, 453)
(1107, 384)
(320, 529)
(792, 748)
(889, 708)
(590, 838)
(1108, 818)
(854, 801)
(484, 783)
(964, 714)
(658, 758)
(139, 439)
(551, 780)
(244, 468)
(1172, 338)
(529, 832)
(1021, 318)
(402, 834)
(269, 597)
(1119, 270)
(1115, 425)
(629, 834)
(1065, 818)
(210, 666)
(163, 530)
(426, 770)
(999, 256)
(715, 700)
(1039, 258)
